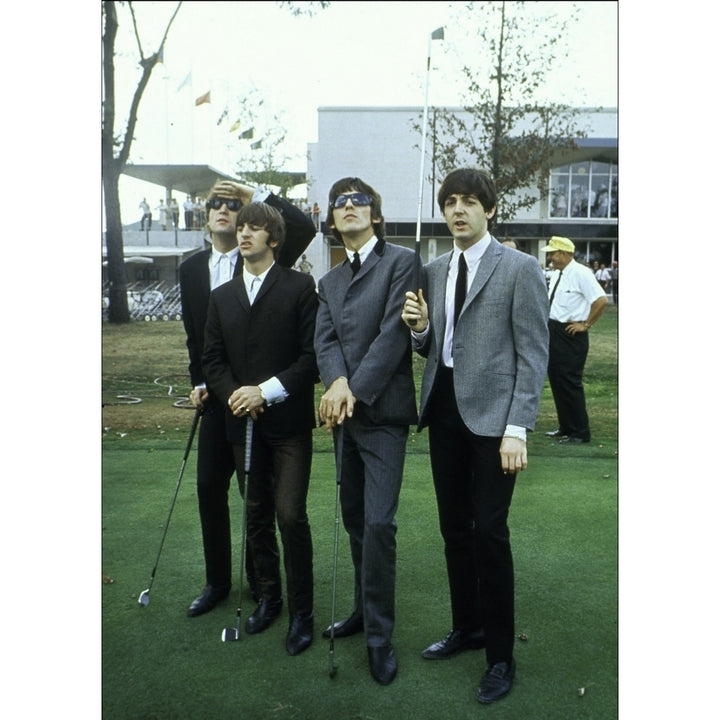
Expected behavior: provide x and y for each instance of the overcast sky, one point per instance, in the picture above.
(352, 53)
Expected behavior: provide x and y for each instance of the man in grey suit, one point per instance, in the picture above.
(483, 329)
(365, 361)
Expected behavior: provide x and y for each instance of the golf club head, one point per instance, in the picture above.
(144, 598)
(333, 671)
(230, 635)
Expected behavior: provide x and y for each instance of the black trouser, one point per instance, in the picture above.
(566, 364)
(215, 467)
(473, 498)
(277, 487)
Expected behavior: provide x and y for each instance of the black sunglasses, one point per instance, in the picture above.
(217, 202)
(357, 198)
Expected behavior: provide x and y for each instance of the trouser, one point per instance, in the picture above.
(473, 499)
(566, 363)
(277, 487)
(370, 480)
(215, 467)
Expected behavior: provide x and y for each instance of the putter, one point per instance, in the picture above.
(232, 634)
(438, 34)
(144, 598)
(338, 476)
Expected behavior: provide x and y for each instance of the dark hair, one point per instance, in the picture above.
(264, 216)
(470, 181)
(350, 184)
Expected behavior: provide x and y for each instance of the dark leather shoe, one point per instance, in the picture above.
(264, 614)
(556, 434)
(207, 600)
(300, 634)
(383, 665)
(573, 440)
(456, 641)
(344, 628)
(496, 682)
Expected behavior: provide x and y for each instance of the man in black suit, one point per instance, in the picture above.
(215, 462)
(259, 362)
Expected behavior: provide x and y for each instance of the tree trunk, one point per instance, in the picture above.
(118, 311)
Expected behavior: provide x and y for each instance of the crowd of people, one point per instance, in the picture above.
(261, 335)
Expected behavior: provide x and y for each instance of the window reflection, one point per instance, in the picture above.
(584, 190)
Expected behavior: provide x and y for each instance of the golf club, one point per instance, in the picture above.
(338, 476)
(144, 598)
(231, 634)
(438, 34)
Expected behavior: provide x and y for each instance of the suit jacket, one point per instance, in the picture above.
(195, 279)
(360, 333)
(246, 345)
(500, 345)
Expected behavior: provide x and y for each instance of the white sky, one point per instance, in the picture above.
(352, 53)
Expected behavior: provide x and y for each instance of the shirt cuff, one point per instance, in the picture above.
(419, 336)
(273, 391)
(261, 194)
(516, 431)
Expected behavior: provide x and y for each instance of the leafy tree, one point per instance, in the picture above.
(504, 127)
(116, 150)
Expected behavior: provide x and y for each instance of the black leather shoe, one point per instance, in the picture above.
(264, 614)
(496, 682)
(456, 641)
(556, 434)
(383, 665)
(573, 440)
(344, 628)
(207, 600)
(300, 634)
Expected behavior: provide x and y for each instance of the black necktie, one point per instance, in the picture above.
(460, 287)
(552, 294)
(355, 264)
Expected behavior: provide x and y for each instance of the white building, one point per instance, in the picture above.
(380, 145)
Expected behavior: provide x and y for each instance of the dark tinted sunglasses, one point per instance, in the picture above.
(357, 198)
(217, 202)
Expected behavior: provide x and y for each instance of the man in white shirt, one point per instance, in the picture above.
(576, 302)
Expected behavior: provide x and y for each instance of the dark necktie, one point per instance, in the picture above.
(460, 287)
(355, 264)
(552, 294)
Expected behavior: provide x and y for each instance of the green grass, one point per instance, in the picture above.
(157, 663)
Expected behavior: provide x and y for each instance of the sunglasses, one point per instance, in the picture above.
(357, 198)
(217, 202)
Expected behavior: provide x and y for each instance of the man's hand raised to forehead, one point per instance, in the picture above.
(231, 189)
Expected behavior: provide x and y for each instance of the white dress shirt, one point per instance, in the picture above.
(273, 390)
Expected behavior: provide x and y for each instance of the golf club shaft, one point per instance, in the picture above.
(188, 447)
(418, 262)
(339, 435)
(243, 540)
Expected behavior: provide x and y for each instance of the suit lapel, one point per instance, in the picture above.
(438, 286)
(487, 265)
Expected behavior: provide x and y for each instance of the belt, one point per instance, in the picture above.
(564, 324)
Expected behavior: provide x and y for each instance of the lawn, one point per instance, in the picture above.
(157, 663)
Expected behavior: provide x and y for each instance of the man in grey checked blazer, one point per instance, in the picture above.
(486, 364)
(365, 361)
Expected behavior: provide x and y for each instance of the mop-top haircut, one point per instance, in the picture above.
(264, 216)
(354, 184)
(470, 181)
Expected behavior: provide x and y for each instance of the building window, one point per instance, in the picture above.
(584, 190)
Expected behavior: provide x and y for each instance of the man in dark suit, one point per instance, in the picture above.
(365, 361)
(483, 330)
(259, 361)
(215, 462)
